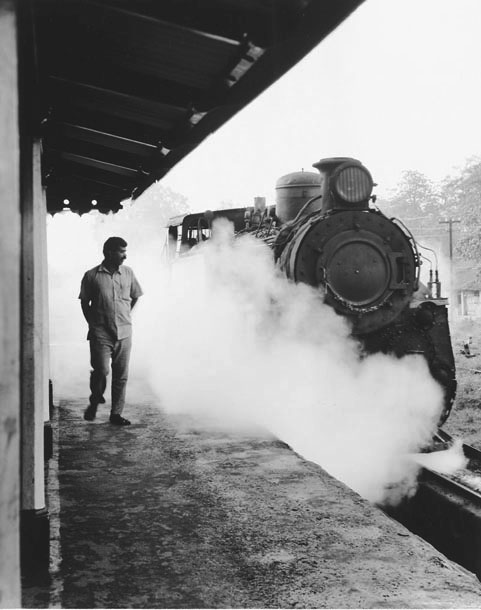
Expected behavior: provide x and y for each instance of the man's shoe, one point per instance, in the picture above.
(102, 400)
(90, 413)
(118, 420)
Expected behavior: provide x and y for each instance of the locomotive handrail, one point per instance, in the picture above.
(430, 250)
(426, 258)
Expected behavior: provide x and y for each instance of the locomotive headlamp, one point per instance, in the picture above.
(352, 183)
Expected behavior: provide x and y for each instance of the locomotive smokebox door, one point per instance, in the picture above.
(356, 271)
(364, 263)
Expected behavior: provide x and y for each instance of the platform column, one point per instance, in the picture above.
(34, 394)
(9, 312)
(48, 437)
(34, 523)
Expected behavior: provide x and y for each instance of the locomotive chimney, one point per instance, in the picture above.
(326, 168)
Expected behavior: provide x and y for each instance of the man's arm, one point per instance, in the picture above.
(135, 291)
(85, 297)
(85, 304)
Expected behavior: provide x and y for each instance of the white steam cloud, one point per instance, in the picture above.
(447, 462)
(227, 335)
(223, 333)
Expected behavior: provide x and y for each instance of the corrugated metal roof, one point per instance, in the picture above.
(127, 88)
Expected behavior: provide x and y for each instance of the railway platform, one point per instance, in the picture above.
(176, 512)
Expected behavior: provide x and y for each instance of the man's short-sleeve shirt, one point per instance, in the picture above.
(110, 296)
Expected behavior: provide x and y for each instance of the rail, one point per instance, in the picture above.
(446, 508)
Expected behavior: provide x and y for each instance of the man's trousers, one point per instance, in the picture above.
(104, 352)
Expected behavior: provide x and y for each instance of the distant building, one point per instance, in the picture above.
(467, 288)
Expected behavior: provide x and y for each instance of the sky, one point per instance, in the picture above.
(395, 86)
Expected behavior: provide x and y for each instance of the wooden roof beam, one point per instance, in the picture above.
(227, 20)
(100, 122)
(106, 77)
(99, 164)
(103, 138)
(59, 82)
(66, 170)
(146, 17)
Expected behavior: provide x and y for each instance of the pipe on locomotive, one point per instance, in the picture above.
(436, 282)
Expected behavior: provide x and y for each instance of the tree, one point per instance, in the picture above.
(462, 200)
(146, 218)
(415, 199)
(416, 202)
(158, 204)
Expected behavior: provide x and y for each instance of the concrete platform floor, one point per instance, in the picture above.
(173, 513)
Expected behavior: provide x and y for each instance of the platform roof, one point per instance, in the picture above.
(127, 88)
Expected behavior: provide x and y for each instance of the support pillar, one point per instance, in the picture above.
(10, 220)
(46, 383)
(34, 523)
(34, 395)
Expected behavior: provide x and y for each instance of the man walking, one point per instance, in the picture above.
(108, 294)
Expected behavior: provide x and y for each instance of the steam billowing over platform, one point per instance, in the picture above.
(175, 512)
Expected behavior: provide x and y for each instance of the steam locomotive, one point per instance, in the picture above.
(326, 231)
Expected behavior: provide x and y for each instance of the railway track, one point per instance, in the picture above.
(446, 508)
(468, 479)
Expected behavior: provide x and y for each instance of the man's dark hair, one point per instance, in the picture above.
(114, 243)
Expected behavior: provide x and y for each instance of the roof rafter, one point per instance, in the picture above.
(103, 138)
(133, 14)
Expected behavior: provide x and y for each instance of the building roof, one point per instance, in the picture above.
(127, 88)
